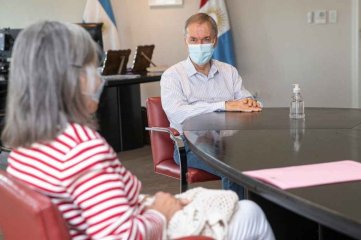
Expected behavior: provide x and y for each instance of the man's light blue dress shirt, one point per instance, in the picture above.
(186, 93)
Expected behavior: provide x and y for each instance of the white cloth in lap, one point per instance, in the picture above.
(217, 214)
(207, 214)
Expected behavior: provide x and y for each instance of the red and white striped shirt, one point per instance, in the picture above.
(97, 196)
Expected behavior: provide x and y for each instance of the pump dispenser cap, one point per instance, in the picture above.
(296, 88)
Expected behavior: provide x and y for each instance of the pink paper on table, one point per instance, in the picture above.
(309, 175)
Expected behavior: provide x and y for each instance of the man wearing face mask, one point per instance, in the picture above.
(201, 85)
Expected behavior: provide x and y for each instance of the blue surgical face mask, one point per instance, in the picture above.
(94, 90)
(200, 53)
(96, 95)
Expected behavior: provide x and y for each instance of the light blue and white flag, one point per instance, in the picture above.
(101, 11)
(218, 11)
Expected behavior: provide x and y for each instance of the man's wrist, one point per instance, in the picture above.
(225, 105)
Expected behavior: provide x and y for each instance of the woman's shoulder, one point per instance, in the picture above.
(76, 137)
(78, 133)
(73, 136)
(83, 145)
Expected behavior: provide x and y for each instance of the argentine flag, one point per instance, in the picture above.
(100, 11)
(218, 11)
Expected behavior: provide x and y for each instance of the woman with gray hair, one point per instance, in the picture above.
(53, 93)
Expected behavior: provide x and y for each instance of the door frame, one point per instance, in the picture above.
(355, 54)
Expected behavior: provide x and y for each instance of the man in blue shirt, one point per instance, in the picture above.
(201, 84)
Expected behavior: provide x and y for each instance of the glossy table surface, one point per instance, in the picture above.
(131, 79)
(115, 80)
(233, 142)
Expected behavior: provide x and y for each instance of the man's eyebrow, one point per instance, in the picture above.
(200, 38)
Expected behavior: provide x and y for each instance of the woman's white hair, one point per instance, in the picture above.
(44, 92)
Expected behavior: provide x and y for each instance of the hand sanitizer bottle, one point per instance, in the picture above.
(297, 109)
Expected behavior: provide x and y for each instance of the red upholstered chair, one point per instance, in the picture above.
(26, 214)
(162, 139)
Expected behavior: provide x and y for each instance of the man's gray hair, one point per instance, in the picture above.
(44, 92)
(201, 18)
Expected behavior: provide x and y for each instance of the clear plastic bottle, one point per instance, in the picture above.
(297, 108)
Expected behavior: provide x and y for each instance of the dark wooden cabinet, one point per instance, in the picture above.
(120, 113)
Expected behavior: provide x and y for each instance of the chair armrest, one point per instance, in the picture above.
(174, 134)
(174, 131)
(169, 130)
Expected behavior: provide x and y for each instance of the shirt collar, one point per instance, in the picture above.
(191, 70)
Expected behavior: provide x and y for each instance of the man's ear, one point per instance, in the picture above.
(215, 42)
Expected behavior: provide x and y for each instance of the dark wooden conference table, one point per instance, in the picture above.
(233, 142)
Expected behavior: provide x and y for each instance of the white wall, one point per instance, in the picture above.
(20, 13)
(163, 26)
(274, 45)
(358, 40)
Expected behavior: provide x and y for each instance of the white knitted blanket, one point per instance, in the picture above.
(208, 214)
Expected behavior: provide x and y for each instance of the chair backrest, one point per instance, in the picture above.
(162, 144)
(26, 214)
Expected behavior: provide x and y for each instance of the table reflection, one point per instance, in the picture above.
(297, 130)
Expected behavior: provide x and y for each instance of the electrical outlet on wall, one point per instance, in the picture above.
(320, 16)
(332, 16)
(310, 17)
